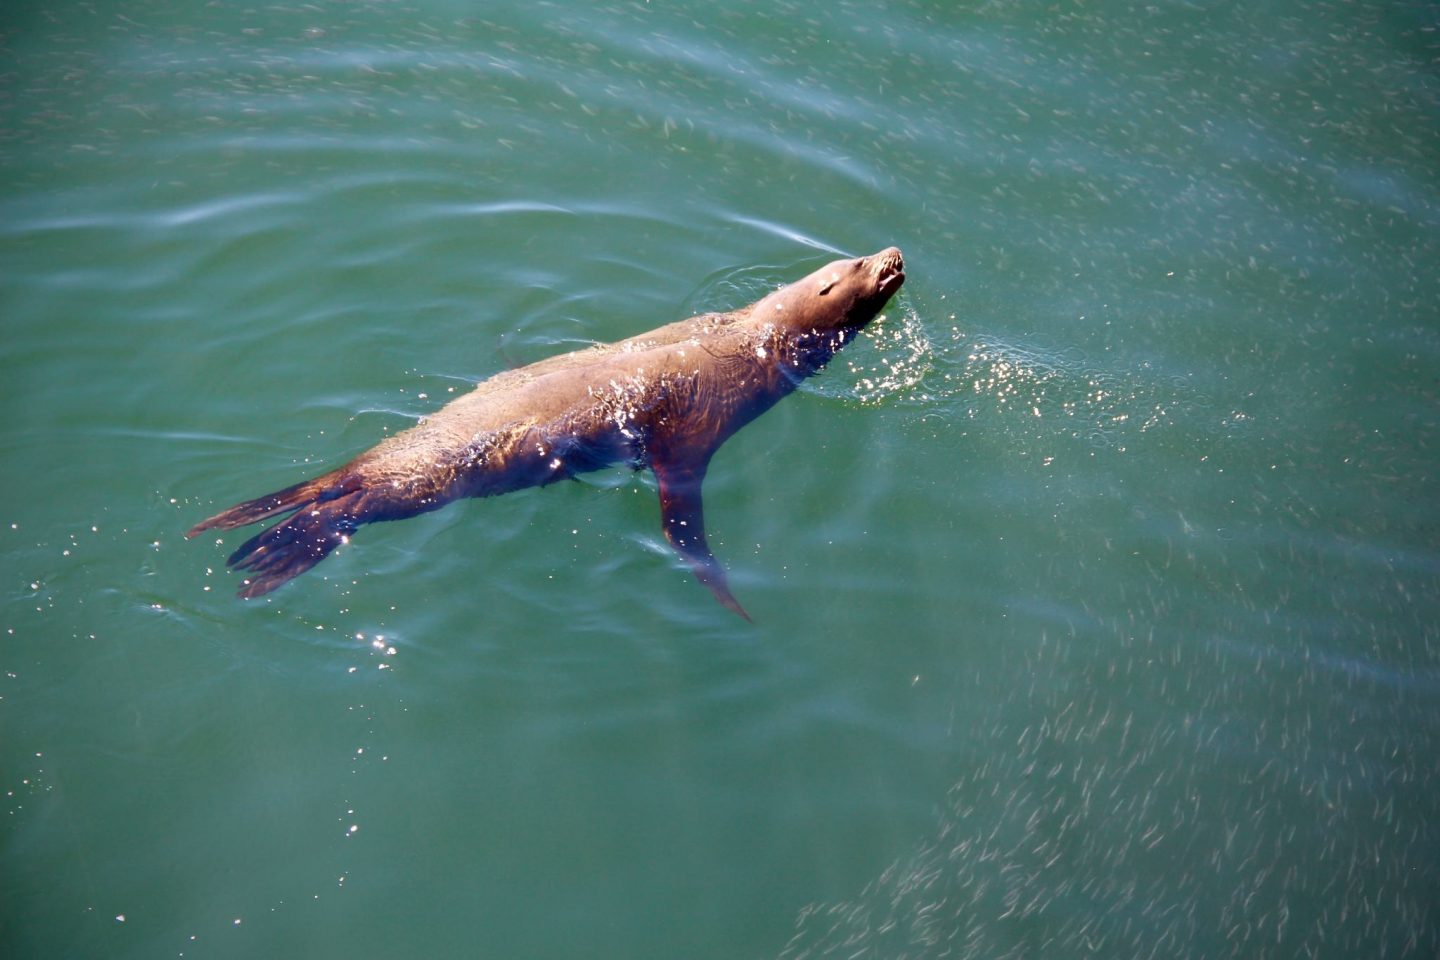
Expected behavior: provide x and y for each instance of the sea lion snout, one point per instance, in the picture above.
(888, 268)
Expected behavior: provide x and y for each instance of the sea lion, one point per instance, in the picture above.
(666, 400)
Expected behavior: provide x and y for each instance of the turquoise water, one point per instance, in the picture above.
(1095, 587)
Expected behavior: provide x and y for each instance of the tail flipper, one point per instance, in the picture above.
(327, 515)
(330, 486)
(293, 546)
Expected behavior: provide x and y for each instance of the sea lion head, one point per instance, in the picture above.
(844, 295)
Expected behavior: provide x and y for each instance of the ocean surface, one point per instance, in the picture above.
(1096, 587)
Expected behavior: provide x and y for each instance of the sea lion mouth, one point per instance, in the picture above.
(888, 269)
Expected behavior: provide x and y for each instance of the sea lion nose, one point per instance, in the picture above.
(887, 262)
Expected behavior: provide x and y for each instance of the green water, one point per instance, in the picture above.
(1095, 588)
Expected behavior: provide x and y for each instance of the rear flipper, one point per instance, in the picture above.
(293, 546)
(330, 486)
(327, 514)
(683, 517)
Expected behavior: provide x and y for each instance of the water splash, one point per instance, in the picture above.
(898, 359)
(1032, 390)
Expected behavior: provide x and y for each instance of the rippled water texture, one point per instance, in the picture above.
(1095, 586)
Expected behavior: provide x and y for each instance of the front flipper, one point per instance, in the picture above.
(683, 518)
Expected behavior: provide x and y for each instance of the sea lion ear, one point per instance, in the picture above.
(828, 285)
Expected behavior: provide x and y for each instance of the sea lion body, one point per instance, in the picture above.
(666, 400)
